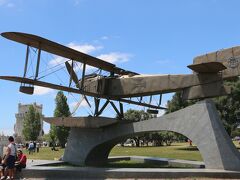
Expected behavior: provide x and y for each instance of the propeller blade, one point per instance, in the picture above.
(72, 73)
(74, 77)
(77, 105)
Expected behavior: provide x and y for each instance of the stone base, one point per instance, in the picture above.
(124, 173)
(199, 122)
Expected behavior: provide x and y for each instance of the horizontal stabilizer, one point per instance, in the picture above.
(207, 67)
(81, 122)
(206, 91)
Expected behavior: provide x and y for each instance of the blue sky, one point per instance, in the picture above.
(149, 37)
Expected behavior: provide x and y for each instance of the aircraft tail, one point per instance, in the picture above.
(226, 61)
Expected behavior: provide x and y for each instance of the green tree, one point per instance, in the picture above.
(31, 124)
(168, 137)
(176, 103)
(157, 139)
(229, 107)
(62, 110)
(135, 115)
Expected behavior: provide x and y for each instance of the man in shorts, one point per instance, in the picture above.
(10, 158)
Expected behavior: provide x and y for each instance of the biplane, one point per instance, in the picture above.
(124, 86)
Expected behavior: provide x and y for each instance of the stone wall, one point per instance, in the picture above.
(22, 110)
(3, 142)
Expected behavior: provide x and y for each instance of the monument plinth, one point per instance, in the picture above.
(199, 122)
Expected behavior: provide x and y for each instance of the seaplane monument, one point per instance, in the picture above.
(92, 138)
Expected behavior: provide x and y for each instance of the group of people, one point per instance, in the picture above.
(32, 147)
(13, 160)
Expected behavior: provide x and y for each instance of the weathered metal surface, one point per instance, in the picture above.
(81, 122)
(26, 89)
(211, 68)
(206, 91)
(207, 67)
(222, 55)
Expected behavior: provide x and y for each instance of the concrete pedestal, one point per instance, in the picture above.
(199, 122)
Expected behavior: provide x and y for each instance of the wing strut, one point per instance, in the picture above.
(38, 62)
(71, 74)
(102, 109)
(23, 88)
(160, 100)
(83, 75)
(26, 62)
(116, 110)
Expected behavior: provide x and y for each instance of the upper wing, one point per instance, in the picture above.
(207, 67)
(60, 50)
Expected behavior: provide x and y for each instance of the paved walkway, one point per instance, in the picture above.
(40, 169)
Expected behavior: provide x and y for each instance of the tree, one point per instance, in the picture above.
(177, 103)
(62, 110)
(157, 139)
(229, 107)
(31, 124)
(135, 115)
(168, 137)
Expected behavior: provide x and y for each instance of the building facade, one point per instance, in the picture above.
(22, 110)
(3, 143)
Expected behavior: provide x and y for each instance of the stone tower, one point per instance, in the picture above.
(22, 110)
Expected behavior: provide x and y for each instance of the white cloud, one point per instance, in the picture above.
(10, 5)
(6, 3)
(3, 2)
(85, 48)
(83, 103)
(115, 57)
(76, 2)
(7, 132)
(104, 38)
(42, 90)
(57, 60)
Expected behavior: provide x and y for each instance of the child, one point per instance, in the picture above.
(2, 167)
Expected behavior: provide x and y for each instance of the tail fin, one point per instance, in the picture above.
(230, 58)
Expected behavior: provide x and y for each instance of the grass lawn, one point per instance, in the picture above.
(175, 151)
(45, 153)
